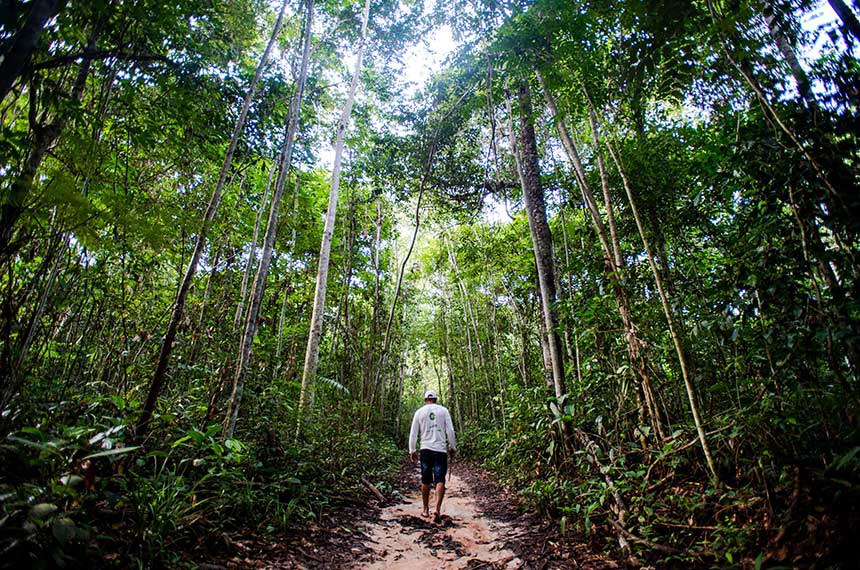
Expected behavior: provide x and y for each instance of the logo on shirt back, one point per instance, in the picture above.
(432, 415)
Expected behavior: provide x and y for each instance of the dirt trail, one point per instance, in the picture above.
(465, 538)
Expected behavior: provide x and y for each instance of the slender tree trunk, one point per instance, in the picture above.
(315, 333)
(645, 396)
(377, 289)
(16, 373)
(455, 400)
(670, 319)
(774, 26)
(255, 300)
(207, 292)
(607, 200)
(575, 355)
(466, 299)
(252, 254)
(209, 215)
(342, 324)
(500, 374)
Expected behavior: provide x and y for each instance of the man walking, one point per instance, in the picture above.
(433, 423)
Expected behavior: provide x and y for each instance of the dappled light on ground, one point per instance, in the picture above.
(466, 538)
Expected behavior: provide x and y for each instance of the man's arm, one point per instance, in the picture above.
(449, 431)
(413, 434)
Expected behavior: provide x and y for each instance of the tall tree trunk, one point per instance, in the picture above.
(502, 392)
(18, 50)
(15, 374)
(607, 199)
(255, 300)
(849, 20)
(315, 333)
(452, 393)
(541, 236)
(202, 234)
(466, 299)
(342, 324)
(575, 343)
(377, 289)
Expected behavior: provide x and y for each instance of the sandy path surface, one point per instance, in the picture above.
(465, 538)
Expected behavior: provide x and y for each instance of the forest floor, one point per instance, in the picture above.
(481, 528)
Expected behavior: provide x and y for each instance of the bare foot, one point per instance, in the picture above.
(437, 518)
(425, 513)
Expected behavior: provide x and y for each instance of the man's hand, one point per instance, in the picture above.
(413, 456)
(452, 453)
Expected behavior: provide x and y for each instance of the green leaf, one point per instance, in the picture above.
(63, 529)
(112, 452)
(42, 510)
(71, 480)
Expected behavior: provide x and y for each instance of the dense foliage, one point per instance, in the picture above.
(635, 281)
(702, 194)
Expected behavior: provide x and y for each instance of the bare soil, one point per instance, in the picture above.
(482, 528)
(402, 539)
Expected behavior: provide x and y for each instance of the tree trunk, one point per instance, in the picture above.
(256, 298)
(541, 236)
(774, 26)
(607, 200)
(500, 374)
(575, 343)
(849, 20)
(211, 209)
(673, 331)
(18, 50)
(452, 393)
(645, 396)
(252, 254)
(43, 137)
(315, 333)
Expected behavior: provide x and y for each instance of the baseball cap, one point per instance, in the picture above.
(429, 395)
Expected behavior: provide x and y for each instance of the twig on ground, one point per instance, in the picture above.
(309, 555)
(638, 540)
(373, 489)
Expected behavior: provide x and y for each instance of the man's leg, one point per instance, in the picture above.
(426, 480)
(440, 494)
(425, 496)
(440, 471)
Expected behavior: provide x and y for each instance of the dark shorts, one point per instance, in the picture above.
(434, 466)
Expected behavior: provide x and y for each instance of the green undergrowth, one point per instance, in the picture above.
(80, 494)
(768, 511)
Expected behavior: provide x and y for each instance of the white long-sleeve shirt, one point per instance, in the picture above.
(433, 423)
